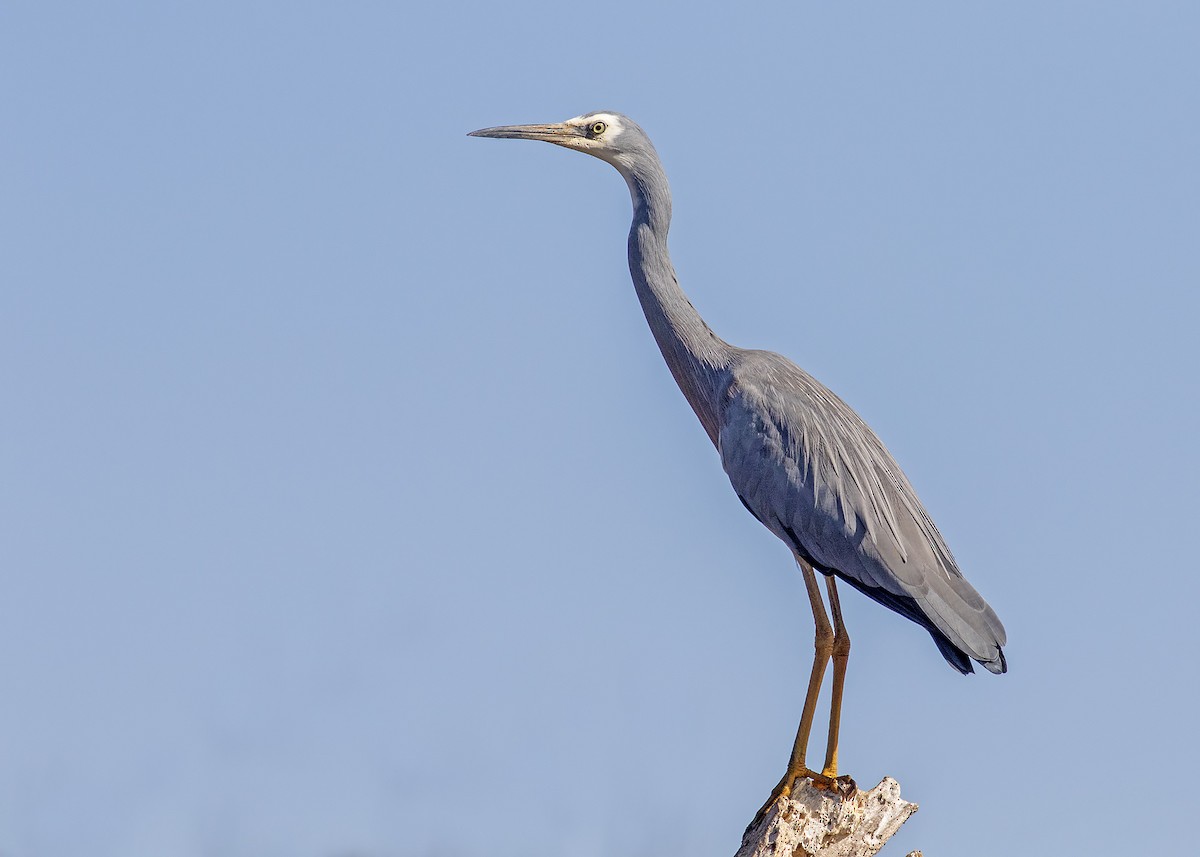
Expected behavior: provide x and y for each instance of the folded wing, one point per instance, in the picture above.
(807, 466)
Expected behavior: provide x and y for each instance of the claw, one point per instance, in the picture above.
(784, 789)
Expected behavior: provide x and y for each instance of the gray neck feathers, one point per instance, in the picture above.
(697, 357)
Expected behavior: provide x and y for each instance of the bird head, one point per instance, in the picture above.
(605, 135)
(614, 138)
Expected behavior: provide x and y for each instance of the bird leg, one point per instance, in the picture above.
(823, 644)
(841, 654)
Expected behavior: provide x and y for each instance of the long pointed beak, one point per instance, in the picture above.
(561, 133)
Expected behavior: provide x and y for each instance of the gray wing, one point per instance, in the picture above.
(814, 473)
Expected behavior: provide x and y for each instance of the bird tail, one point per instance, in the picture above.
(958, 654)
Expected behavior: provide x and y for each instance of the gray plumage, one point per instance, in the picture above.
(801, 460)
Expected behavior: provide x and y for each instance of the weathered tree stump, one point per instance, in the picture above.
(817, 822)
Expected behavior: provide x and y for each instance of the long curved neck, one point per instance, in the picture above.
(697, 357)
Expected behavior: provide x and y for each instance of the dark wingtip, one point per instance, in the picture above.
(954, 656)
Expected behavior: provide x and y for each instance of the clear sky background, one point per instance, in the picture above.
(348, 510)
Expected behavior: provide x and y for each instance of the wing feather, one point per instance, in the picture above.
(807, 466)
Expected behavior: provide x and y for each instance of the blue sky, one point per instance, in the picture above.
(346, 507)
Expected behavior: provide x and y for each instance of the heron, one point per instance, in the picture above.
(800, 459)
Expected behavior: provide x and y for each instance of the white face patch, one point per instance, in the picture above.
(612, 130)
(607, 145)
(603, 146)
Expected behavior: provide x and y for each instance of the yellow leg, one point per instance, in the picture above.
(841, 654)
(823, 645)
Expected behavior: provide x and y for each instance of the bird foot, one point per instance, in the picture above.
(842, 786)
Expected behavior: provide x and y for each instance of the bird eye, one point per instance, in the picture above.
(598, 128)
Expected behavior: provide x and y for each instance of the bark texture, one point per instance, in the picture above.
(816, 822)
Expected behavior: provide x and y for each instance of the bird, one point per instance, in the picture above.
(799, 458)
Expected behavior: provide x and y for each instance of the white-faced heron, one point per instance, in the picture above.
(799, 458)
